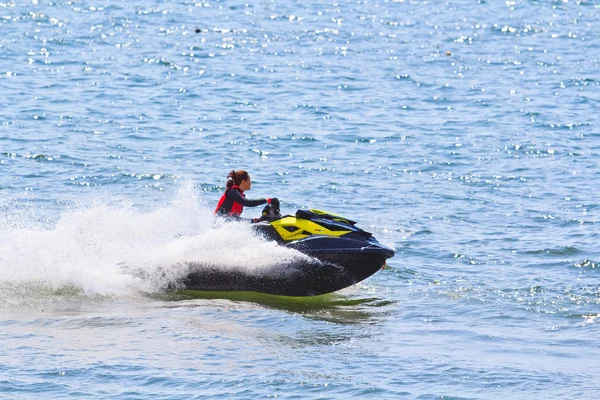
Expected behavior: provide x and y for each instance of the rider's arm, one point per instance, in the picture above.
(238, 198)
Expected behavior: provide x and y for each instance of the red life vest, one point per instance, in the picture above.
(236, 208)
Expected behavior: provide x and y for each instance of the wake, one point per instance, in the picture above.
(108, 249)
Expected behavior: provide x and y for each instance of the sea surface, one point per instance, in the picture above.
(464, 134)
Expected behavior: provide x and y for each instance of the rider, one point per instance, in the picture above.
(233, 201)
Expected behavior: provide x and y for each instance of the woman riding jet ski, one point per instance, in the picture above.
(234, 200)
(339, 254)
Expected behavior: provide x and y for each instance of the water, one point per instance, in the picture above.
(463, 134)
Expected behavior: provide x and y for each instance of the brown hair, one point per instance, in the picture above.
(236, 177)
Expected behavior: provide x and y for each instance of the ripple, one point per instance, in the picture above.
(555, 252)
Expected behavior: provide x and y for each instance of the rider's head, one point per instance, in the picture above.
(239, 178)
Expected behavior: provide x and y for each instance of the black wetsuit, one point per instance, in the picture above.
(234, 195)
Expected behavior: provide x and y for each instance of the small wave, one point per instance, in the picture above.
(557, 251)
(586, 263)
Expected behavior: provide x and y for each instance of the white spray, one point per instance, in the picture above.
(88, 247)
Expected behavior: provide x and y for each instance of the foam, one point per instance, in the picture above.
(95, 247)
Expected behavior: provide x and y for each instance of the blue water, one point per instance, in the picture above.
(463, 134)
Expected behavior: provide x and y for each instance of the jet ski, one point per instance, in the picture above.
(338, 255)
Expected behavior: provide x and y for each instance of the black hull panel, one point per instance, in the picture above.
(326, 273)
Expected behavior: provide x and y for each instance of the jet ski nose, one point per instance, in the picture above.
(389, 252)
(379, 248)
